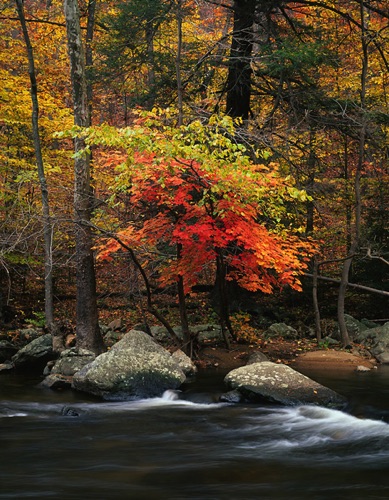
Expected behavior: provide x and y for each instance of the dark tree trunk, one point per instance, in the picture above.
(87, 328)
(239, 68)
(47, 225)
(357, 181)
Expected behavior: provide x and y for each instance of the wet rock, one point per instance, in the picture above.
(232, 397)
(135, 367)
(8, 365)
(277, 383)
(362, 368)
(56, 382)
(67, 411)
(35, 355)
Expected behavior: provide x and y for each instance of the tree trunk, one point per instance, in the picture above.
(47, 226)
(224, 313)
(87, 328)
(315, 299)
(239, 68)
(357, 185)
(182, 306)
(180, 99)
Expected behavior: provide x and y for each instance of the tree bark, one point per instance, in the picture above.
(47, 225)
(87, 328)
(315, 299)
(180, 90)
(239, 68)
(357, 185)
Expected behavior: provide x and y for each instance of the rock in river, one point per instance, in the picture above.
(135, 367)
(277, 383)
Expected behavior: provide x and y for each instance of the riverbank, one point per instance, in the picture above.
(304, 353)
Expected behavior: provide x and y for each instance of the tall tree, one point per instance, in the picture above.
(87, 329)
(239, 69)
(47, 225)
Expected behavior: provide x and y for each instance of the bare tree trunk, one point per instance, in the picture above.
(87, 328)
(178, 64)
(224, 314)
(89, 55)
(239, 68)
(182, 306)
(315, 299)
(357, 186)
(47, 225)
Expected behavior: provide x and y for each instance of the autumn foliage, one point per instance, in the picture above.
(196, 190)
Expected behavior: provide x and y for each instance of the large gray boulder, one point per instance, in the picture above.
(135, 367)
(277, 383)
(35, 355)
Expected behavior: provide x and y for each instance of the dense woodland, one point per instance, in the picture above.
(188, 160)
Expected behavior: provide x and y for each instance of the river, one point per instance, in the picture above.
(187, 445)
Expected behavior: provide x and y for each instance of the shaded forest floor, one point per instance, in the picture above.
(249, 324)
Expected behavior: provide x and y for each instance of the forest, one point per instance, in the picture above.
(193, 161)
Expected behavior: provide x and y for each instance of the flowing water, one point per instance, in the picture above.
(186, 445)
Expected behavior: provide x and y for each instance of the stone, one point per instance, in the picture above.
(72, 360)
(56, 382)
(29, 334)
(184, 362)
(379, 339)
(257, 357)
(232, 397)
(116, 324)
(281, 330)
(8, 365)
(35, 355)
(362, 368)
(136, 367)
(204, 333)
(278, 383)
(356, 329)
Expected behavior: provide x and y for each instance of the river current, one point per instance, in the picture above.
(187, 445)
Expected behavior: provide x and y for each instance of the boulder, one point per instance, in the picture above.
(35, 355)
(379, 339)
(357, 330)
(281, 330)
(28, 334)
(278, 383)
(204, 334)
(184, 362)
(71, 361)
(56, 382)
(135, 367)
